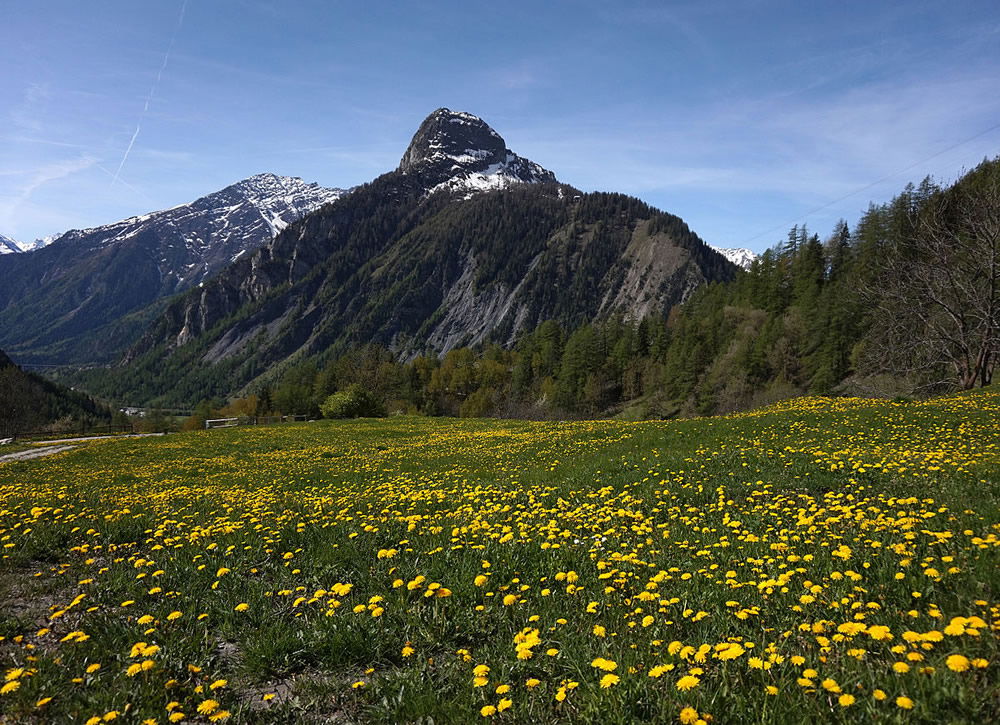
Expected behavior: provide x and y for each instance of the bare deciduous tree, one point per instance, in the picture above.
(936, 292)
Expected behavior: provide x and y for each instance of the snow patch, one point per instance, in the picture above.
(739, 256)
(9, 246)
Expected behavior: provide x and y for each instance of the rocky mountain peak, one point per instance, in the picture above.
(459, 152)
(453, 138)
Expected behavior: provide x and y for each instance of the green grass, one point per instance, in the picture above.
(769, 530)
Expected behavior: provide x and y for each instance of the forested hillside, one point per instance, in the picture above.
(905, 303)
(417, 273)
(29, 402)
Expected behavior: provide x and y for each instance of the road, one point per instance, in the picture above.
(53, 449)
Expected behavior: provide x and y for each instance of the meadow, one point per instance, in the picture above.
(822, 560)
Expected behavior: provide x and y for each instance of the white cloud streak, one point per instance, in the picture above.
(47, 173)
(152, 91)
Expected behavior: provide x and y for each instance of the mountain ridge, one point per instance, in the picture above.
(418, 260)
(53, 300)
(740, 256)
(9, 246)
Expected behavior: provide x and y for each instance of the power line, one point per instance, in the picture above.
(869, 186)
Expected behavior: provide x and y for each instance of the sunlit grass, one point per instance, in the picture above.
(819, 560)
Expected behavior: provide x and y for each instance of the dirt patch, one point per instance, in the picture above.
(307, 697)
(27, 603)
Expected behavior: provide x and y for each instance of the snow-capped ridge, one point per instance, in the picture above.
(740, 256)
(192, 241)
(9, 246)
(264, 200)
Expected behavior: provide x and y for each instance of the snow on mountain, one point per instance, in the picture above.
(459, 152)
(39, 243)
(193, 241)
(60, 302)
(737, 255)
(9, 246)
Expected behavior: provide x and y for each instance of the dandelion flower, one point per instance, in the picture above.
(603, 664)
(609, 680)
(688, 682)
(957, 663)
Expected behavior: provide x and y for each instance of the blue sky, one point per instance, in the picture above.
(741, 117)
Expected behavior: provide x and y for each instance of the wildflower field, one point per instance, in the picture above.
(833, 560)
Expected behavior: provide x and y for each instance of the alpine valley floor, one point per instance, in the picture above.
(821, 560)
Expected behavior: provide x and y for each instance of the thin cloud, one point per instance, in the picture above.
(27, 114)
(38, 179)
(152, 90)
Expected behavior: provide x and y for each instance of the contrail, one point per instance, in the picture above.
(152, 90)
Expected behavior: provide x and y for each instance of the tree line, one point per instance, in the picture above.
(30, 403)
(906, 302)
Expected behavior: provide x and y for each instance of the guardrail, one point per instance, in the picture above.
(253, 420)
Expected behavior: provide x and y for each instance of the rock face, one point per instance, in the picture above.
(57, 301)
(465, 242)
(452, 137)
(458, 151)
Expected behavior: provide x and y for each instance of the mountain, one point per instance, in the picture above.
(12, 246)
(9, 246)
(38, 243)
(737, 255)
(465, 242)
(87, 294)
(467, 155)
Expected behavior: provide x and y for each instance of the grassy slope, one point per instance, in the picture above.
(786, 531)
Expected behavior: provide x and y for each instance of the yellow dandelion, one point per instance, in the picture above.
(609, 680)
(688, 682)
(957, 663)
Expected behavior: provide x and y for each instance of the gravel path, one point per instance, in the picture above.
(50, 450)
(34, 453)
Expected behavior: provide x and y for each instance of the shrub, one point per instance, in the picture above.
(353, 401)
